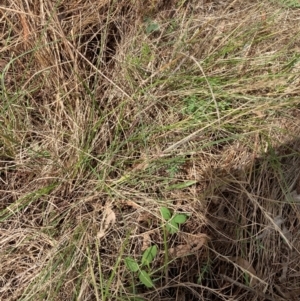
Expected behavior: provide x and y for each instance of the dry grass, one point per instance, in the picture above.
(111, 110)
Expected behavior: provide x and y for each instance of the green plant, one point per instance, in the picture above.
(151, 26)
(205, 270)
(132, 265)
(200, 109)
(174, 165)
(289, 3)
(143, 268)
(172, 221)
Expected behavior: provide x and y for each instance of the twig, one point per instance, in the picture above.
(259, 293)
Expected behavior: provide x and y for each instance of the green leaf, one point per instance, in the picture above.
(145, 279)
(182, 185)
(165, 212)
(172, 227)
(149, 255)
(179, 218)
(151, 27)
(131, 264)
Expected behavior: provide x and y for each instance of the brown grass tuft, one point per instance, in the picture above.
(111, 110)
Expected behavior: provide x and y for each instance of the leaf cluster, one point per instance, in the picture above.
(148, 256)
(172, 221)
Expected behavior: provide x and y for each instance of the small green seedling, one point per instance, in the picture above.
(148, 256)
(151, 26)
(172, 222)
